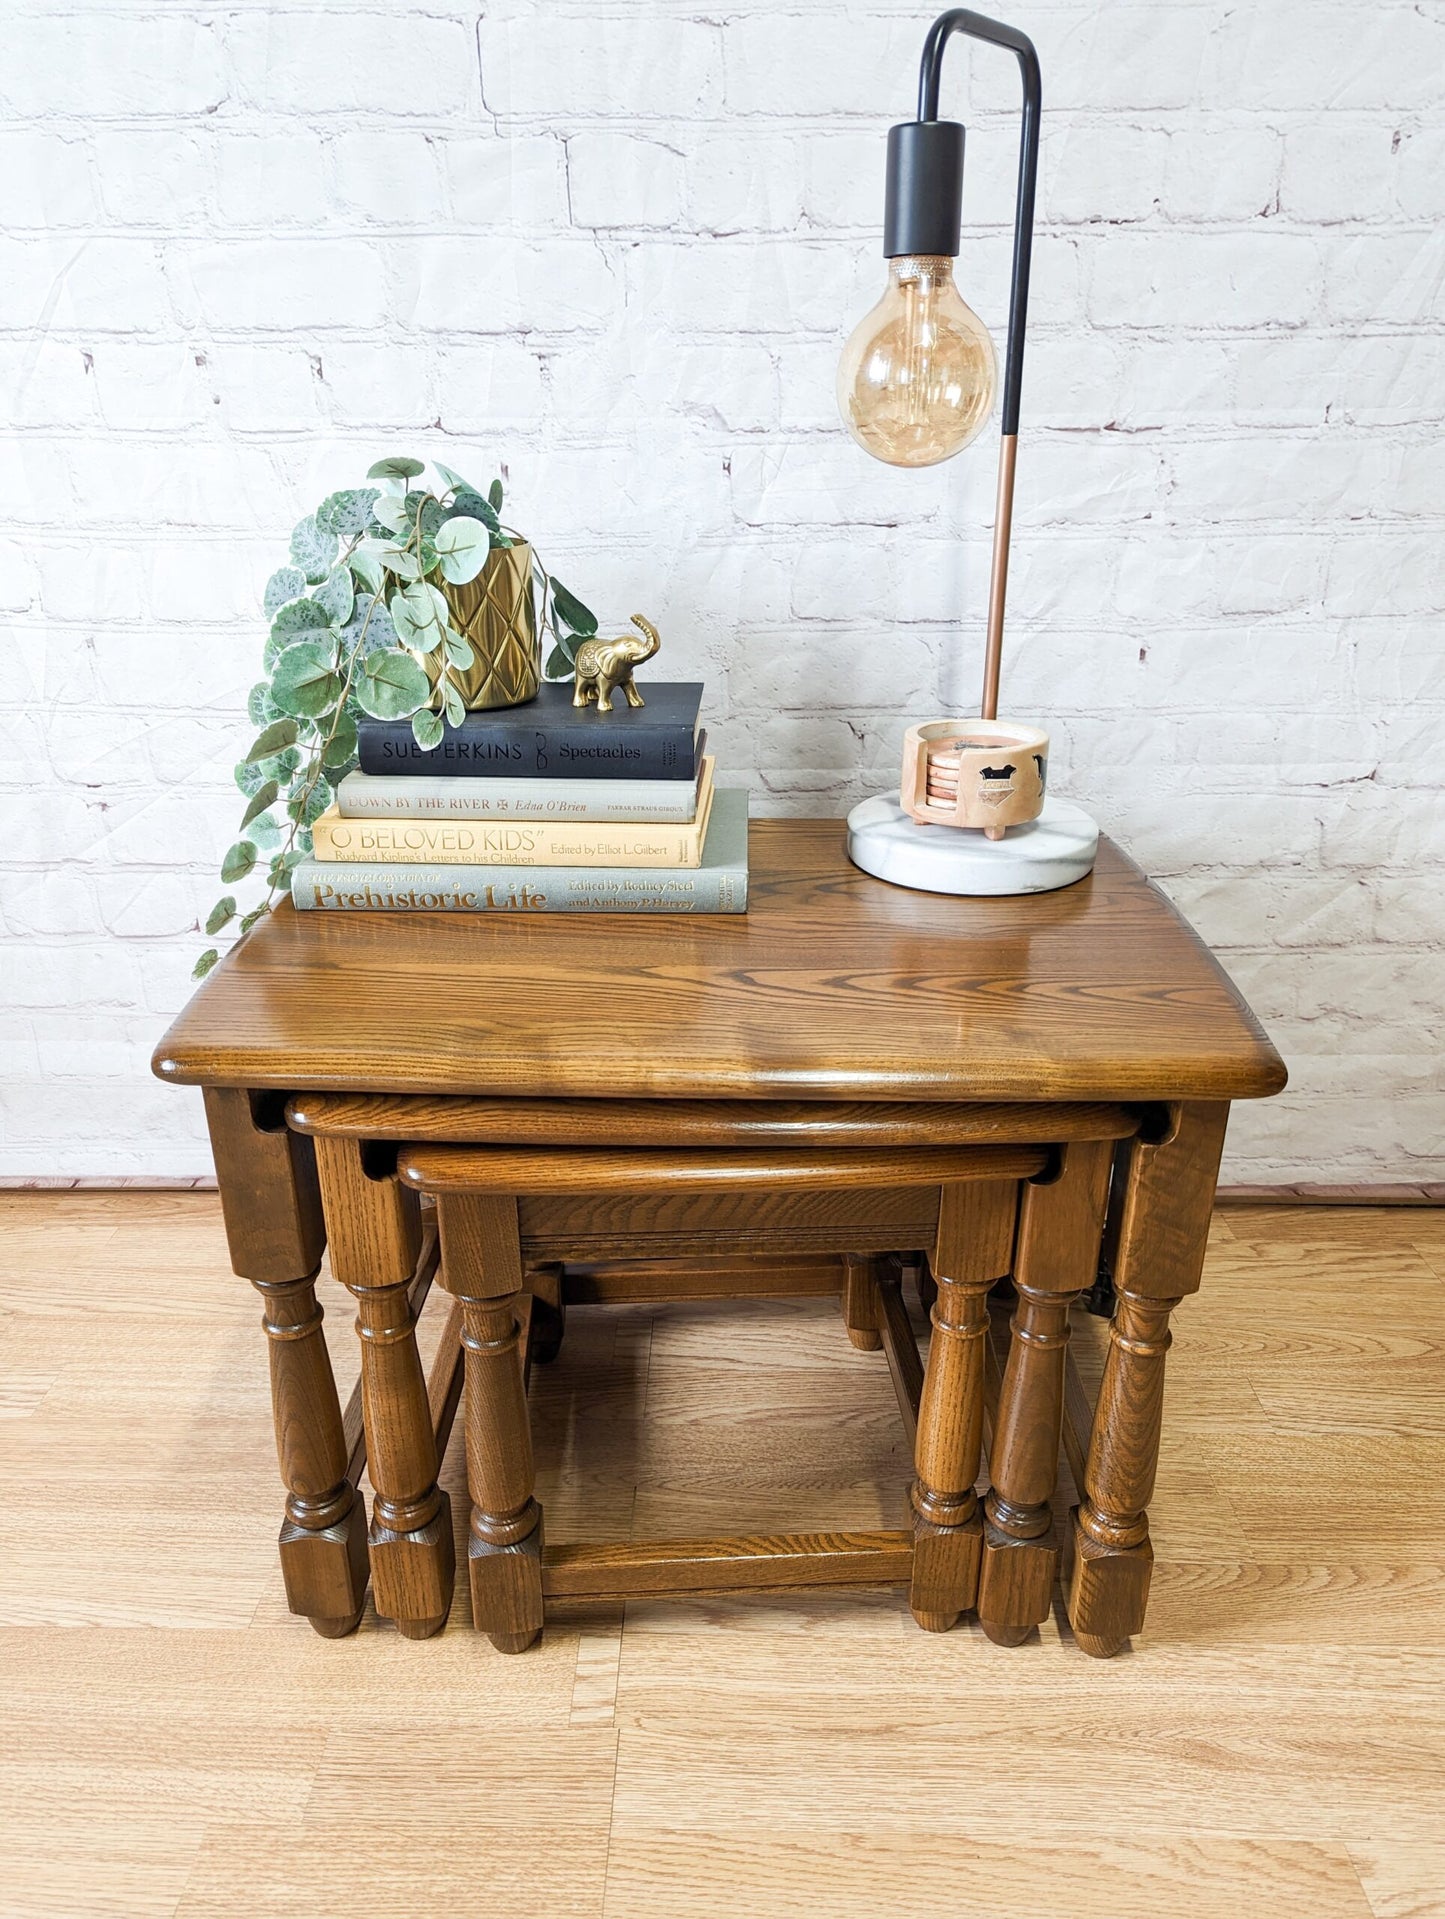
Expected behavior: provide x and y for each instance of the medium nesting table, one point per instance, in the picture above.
(850, 1083)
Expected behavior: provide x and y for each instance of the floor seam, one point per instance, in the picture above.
(1370, 1905)
(622, 1648)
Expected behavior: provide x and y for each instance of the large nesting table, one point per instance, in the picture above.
(848, 1083)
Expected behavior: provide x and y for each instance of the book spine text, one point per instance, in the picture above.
(506, 843)
(363, 796)
(518, 752)
(377, 888)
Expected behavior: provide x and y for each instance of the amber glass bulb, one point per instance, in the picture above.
(916, 381)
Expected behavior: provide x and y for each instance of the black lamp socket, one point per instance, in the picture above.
(923, 210)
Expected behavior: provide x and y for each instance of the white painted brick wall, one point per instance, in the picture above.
(616, 245)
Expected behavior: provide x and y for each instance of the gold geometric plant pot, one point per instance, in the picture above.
(497, 613)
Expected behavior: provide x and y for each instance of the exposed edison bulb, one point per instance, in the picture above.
(917, 377)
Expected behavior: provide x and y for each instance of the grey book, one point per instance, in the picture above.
(719, 885)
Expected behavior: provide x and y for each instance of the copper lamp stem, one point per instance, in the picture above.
(998, 577)
(928, 126)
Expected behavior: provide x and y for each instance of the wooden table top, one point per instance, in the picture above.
(833, 986)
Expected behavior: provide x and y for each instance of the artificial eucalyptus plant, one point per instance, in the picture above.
(360, 625)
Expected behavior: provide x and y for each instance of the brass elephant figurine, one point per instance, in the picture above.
(602, 666)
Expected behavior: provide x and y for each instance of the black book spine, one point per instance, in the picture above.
(514, 750)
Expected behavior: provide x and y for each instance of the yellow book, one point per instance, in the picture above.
(442, 842)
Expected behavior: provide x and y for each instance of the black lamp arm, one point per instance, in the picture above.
(978, 27)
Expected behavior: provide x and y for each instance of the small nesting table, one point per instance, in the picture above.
(850, 1083)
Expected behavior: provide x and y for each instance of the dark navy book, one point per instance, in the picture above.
(551, 739)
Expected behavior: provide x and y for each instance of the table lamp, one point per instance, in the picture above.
(916, 385)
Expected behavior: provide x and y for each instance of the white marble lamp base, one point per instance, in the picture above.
(1051, 851)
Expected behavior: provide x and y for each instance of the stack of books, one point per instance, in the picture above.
(543, 808)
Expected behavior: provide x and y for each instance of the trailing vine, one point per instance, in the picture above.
(360, 625)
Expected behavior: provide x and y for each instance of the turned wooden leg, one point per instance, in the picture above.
(1113, 1559)
(1162, 1231)
(323, 1538)
(272, 1213)
(482, 1268)
(860, 1302)
(975, 1244)
(1060, 1223)
(375, 1229)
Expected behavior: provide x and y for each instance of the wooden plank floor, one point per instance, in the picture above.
(172, 1742)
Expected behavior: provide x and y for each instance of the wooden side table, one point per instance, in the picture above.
(833, 1011)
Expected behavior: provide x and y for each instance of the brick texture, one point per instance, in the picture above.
(616, 246)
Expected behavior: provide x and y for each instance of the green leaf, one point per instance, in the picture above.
(568, 607)
(380, 633)
(204, 964)
(425, 507)
(395, 469)
(337, 595)
(261, 709)
(308, 807)
(256, 913)
(391, 686)
(313, 548)
(252, 775)
(238, 862)
(494, 494)
(301, 616)
(427, 729)
(419, 614)
(304, 683)
(341, 747)
(303, 619)
(390, 512)
(459, 651)
(453, 480)
(367, 570)
(396, 559)
(346, 514)
(265, 830)
(471, 506)
(221, 912)
(287, 583)
(560, 663)
(456, 712)
(462, 545)
(412, 632)
(265, 796)
(281, 733)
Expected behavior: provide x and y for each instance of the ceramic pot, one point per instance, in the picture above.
(497, 613)
(984, 774)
